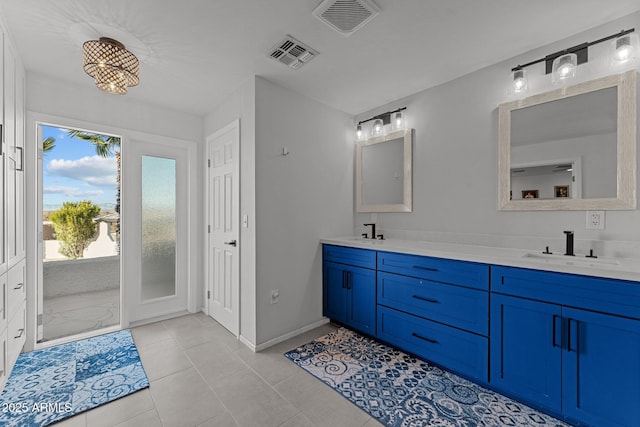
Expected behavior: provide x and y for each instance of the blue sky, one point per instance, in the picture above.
(72, 172)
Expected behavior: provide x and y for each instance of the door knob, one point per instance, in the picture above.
(231, 243)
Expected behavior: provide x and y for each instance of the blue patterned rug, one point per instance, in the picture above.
(54, 383)
(401, 390)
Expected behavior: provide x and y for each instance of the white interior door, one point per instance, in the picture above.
(223, 194)
(155, 236)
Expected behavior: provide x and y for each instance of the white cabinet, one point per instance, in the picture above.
(12, 210)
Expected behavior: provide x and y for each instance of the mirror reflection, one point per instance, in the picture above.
(582, 129)
(383, 173)
(573, 148)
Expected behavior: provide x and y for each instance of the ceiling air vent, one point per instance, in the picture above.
(346, 16)
(292, 53)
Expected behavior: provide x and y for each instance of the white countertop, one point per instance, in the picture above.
(614, 268)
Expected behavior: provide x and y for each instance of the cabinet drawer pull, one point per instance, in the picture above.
(425, 299)
(20, 332)
(18, 286)
(424, 338)
(419, 267)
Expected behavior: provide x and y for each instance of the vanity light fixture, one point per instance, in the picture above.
(520, 83)
(625, 48)
(564, 67)
(378, 128)
(112, 66)
(396, 118)
(563, 64)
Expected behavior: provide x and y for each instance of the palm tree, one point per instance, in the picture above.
(48, 144)
(105, 146)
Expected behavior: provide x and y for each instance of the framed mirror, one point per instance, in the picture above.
(383, 173)
(573, 148)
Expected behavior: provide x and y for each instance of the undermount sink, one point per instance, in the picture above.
(578, 260)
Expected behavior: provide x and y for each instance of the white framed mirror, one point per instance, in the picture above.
(573, 148)
(383, 173)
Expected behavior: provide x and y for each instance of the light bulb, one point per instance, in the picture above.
(378, 127)
(398, 120)
(520, 83)
(564, 67)
(359, 132)
(625, 48)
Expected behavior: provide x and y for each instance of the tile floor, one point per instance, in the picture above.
(202, 376)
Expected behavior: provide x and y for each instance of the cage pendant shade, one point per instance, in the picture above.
(112, 66)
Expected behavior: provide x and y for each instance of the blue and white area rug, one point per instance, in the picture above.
(54, 383)
(401, 390)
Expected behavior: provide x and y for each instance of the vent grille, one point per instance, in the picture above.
(346, 16)
(292, 53)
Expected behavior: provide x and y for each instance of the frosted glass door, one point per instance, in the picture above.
(158, 278)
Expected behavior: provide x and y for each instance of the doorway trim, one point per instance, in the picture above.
(234, 129)
(31, 199)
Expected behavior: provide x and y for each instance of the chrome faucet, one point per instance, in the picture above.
(569, 250)
(373, 229)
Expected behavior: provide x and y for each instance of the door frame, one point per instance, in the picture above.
(32, 216)
(233, 126)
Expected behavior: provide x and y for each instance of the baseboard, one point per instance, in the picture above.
(281, 338)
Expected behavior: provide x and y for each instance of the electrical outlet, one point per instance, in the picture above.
(595, 220)
(275, 294)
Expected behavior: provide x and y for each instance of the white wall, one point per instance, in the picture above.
(292, 201)
(300, 198)
(456, 169)
(241, 104)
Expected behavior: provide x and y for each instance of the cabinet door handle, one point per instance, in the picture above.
(573, 337)
(349, 280)
(233, 243)
(557, 330)
(425, 299)
(20, 332)
(18, 286)
(419, 267)
(424, 338)
(344, 279)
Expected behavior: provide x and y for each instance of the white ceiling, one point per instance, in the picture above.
(194, 53)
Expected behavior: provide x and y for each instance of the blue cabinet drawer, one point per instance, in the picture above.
(463, 273)
(351, 256)
(453, 305)
(613, 296)
(459, 351)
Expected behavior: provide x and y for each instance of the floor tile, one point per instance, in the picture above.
(214, 361)
(184, 399)
(299, 420)
(373, 423)
(320, 403)
(270, 365)
(163, 358)
(120, 410)
(79, 420)
(252, 401)
(147, 419)
(150, 334)
(221, 420)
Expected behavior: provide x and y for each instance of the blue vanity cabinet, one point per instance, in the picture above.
(558, 342)
(436, 309)
(526, 350)
(349, 291)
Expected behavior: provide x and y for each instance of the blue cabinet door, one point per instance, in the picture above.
(601, 369)
(526, 350)
(334, 291)
(361, 300)
(350, 296)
